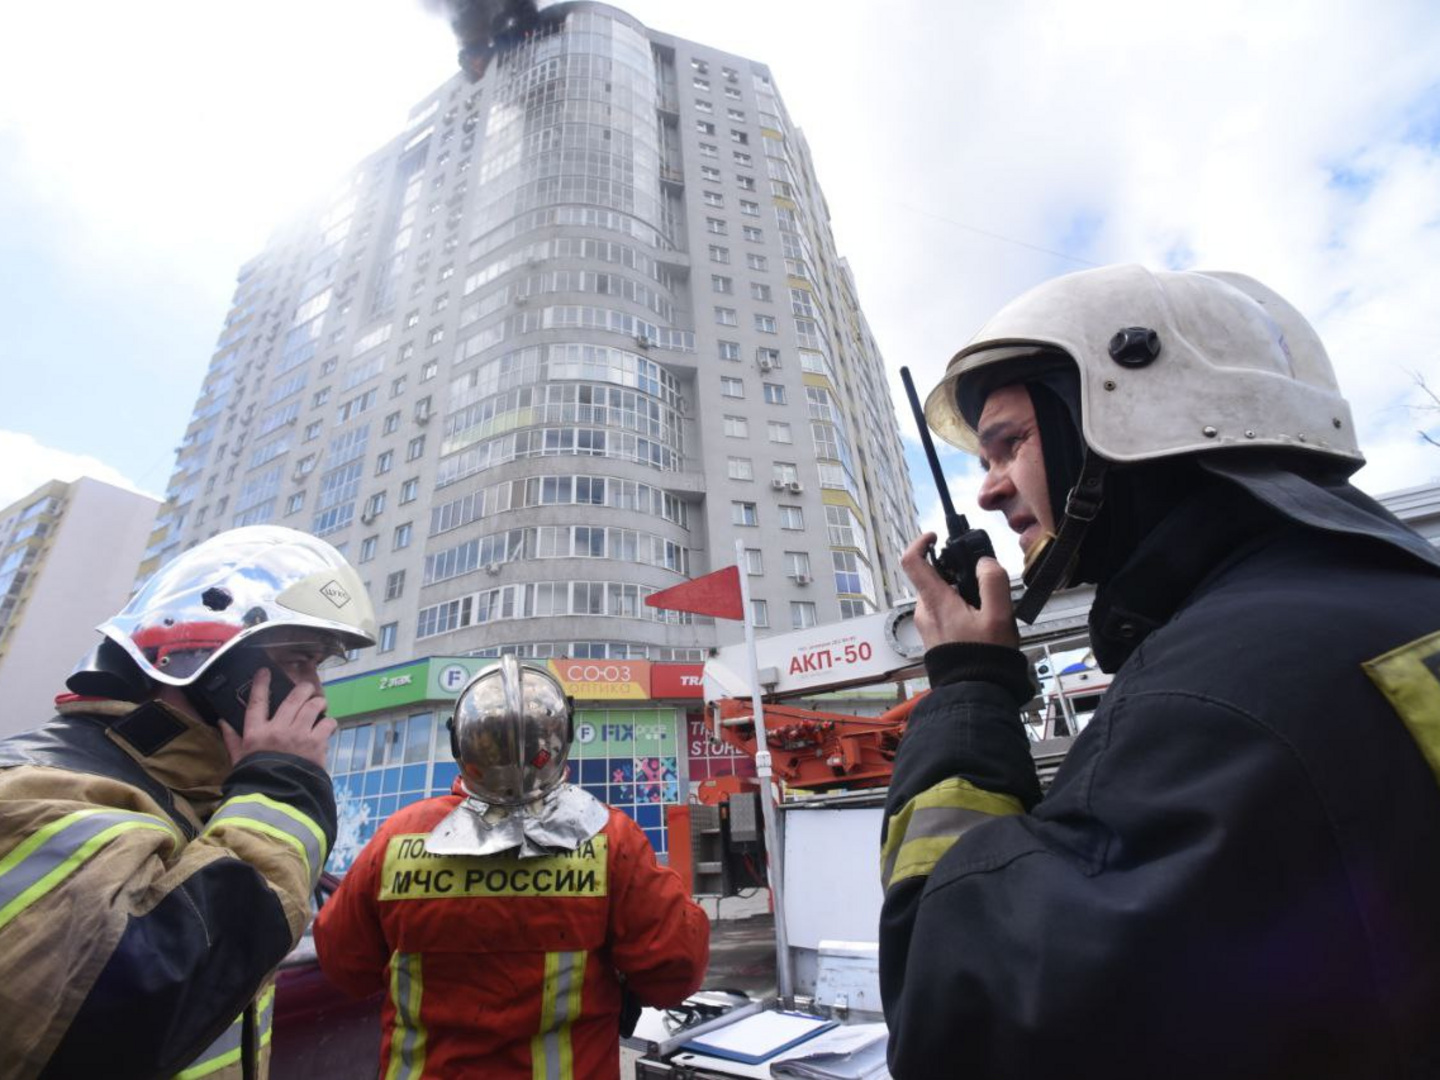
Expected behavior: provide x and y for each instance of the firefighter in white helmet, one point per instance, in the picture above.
(516, 920)
(160, 838)
(1234, 871)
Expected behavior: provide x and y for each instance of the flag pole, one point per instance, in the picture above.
(774, 857)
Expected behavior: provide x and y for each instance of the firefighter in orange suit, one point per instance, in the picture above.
(508, 919)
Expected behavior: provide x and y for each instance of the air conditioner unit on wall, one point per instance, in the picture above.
(778, 485)
(796, 486)
(803, 579)
(766, 363)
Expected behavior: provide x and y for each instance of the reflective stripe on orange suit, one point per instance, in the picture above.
(506, 968)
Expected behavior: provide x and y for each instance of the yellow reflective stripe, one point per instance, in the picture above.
(928, 825)
(275, 818)
(552, 1054)
(407, 1036)
(1409, 677)
(52, 853)
(225, 1050)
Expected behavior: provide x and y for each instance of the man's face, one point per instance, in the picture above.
(1010, 454)
(299, 653)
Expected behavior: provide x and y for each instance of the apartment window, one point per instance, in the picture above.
(792, 517)
(731, 75)
(743, 513)
(386, 642)
(779, 431)
(767, 358)
(719, 254)
(303, 467)
(704, 127)
(374, 505)
(430, 370)
(732, 388)
(735, 114)
(447, 271)
(699, 83)
(797, 564)
(709, 172)
(743, 139)
(726, 316)
(312, 430)
(395, 585)
(846, 565)
(785, 471)
(295, 502)
(402, 536)
(729, 350)
(759, 613)
(737, 427)
(442, 302)
(742, 158)
(406, 351)
(412, 319)
(368, 547)
(320, 398)
(700, 66)
(392, 424)
(760, 291)
(410, 490)
(754, 562)
(437, 335)
(415, 448)
(774, 394)
(765, 324)
(749, 208)
(716, 225)
(802, 614)
(754, 233)
(709, 150)
(721, 284)
(383, 462)
(714, 198)
(397, 386)
(733, 93)
(756, 262)
(740, 468)
(702, 105)
(329, 365)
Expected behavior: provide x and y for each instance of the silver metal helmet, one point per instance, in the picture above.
(1171, 363)
(210, 599)
(511, 734)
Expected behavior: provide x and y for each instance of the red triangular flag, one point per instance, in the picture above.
(716, 594)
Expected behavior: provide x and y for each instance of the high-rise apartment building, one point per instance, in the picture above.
(67, 559)
(554, 347)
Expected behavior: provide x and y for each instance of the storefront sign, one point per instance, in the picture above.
(677, 681)
(375, 690)
(604, 680)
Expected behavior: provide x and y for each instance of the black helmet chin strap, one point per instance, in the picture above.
(1053, 568)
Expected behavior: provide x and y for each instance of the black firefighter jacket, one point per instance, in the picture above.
(1236, 872)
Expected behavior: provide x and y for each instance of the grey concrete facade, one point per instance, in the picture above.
(68, 553)
(557, 345)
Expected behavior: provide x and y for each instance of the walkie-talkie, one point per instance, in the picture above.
(966, 546)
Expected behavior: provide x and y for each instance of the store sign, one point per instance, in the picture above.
(677, 681)
(449, 674)
(375, 690)
(604, 680)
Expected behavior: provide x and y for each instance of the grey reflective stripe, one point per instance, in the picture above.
(275, 818)
(564, 979)
(407, 1037)
(933, 823)
(226, 1049)
(57, 849)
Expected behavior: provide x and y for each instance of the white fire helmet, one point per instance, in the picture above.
(1170, 363)
(511, 734)
(236, 585)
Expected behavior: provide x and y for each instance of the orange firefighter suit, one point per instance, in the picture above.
(499, 966)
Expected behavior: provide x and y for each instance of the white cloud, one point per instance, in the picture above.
(28, 464)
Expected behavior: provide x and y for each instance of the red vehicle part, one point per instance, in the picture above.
(819, 751)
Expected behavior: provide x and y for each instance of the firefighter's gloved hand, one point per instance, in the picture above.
(942, 616)
(296, 728)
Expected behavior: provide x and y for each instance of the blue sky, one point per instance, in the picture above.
(967, 151)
